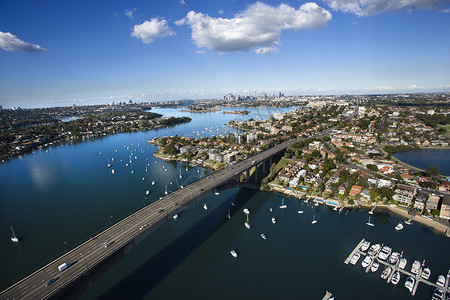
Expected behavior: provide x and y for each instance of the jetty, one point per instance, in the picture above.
(417, 277)
(327, 296)
(409, 221)
(371, 211)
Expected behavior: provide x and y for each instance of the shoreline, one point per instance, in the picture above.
(438, 227)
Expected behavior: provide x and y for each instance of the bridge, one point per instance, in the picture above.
(94, 256)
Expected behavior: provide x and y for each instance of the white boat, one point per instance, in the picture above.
(402, 263)
(14, 238)
(300, 211)
(415, 267)
(180, 175)
(217, 193)
(374, 249)
(366, 262)
(368, 223)
(247, 223)
(375, 265)
(395, 278)
(147, 192)
(438, 295)
(282, 204)
(246, 211)
(440, 281)
(365, 245)
(109, 165)
(205, 206)
(409, 283)
(314, 221)
(229, 214)
(399, 227)
(153, 183)
(233, 252)
(387, 271)
(355, 258)
(384, 253)
(112, 171)
(426, 273)
(274, 220)
(394, 257)
(263, 236)
(175, 216)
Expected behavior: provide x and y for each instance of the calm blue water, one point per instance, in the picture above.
(56, 200)
(427, 157)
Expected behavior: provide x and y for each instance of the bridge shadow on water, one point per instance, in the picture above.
(140, 282)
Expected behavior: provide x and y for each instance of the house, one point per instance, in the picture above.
(355, 190)
(433, 202)
(444, 186)
(404, 193)
(421, 199)
(342, 188)
(445, 208)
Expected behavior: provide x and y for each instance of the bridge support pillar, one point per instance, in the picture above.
(270, 161)
(264, 166)
(247, 176)
(256, 173)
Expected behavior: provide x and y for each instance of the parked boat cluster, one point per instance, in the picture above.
(395, 266)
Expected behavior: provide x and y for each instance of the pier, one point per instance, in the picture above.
(417, 278)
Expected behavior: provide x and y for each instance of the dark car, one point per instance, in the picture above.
(51, 281)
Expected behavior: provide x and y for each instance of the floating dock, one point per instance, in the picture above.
(417, 278)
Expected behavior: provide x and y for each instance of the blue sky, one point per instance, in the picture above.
(55, 53)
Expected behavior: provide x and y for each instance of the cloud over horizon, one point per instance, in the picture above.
(364, 8)
(151, 30)
(10, 42)
(258, 26)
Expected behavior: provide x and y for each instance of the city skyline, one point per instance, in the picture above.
(55, 54)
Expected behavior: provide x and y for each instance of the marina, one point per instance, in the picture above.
(413, 278)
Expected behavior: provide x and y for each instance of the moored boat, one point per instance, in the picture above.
(375, 265)
(365, 245)
(394, 257)
(385, 252)
(246, 211)
(355, 258)
(14, 238)
(374, 249)
(234, 253)
(205, 206)
(386, 272)
(366, 262)
(274, 220)
(409, 283)
(426, 273)
(263, 236)
(415, 267)
(440, 281)
(395, 278)
(402, 263)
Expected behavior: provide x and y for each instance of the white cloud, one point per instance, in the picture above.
(414, 87)
(129, 13)
(259, 25)
(151, 30)
(446, 11)
(381, 88)
(444, 86)
(373, 7)
(10, 42)
(182, 2)
(202, 52)
(265, 50)
(220, 12)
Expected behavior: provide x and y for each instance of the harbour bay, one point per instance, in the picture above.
(68, 194)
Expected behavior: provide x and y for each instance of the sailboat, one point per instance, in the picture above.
(14, 238)
(180, 175)
(368, 223)
(165, 191)
(282, 204)
(247, 223)
(314, 221)
(229, 214)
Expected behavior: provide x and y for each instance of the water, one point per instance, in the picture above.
(424, 158)
(57, 199)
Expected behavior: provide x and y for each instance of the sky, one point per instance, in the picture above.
(60, 53)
